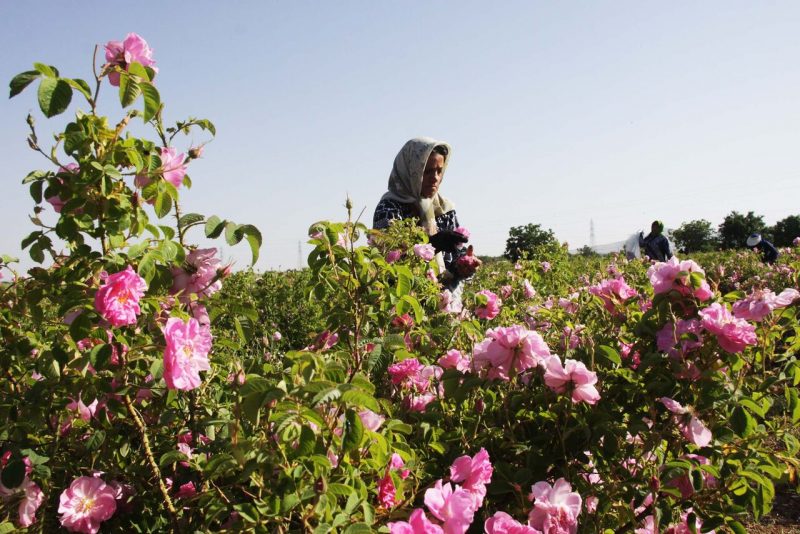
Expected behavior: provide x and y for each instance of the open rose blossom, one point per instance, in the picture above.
(528, 289)
(424, 251)
(762, 302)
(502, 523)
(172, 169)
(667, 276)
(117, 299)
(574, 373)
(418, 523)
(555, 508)
(186, 354)
(509, 349)
(28, 492)
(690, 426)
(454, 359)
(732, 334)
(85, 504)
(678, 339)
(200, 275)
(474, 473)
(371, 420)
(123, 53)
(488, 304)
(453, 505)
(613, 293)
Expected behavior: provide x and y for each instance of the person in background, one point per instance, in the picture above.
(655, 245)
(414, 183)
(768, 251)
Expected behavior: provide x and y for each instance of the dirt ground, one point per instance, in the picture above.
(785, 515)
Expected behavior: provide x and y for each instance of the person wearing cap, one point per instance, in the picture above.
(414, 182)
(655, 245)
(768, 251)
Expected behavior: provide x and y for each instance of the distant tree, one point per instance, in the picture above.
(785, 230)
(587, 251)
(525, 239)
(736, 227)
(695, 236)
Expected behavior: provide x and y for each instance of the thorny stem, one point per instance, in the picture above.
(137, 419)
(93, 101)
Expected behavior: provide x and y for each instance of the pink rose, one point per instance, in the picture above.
(667, 276)
(509, 349)
(555, 508)
(474, 473)
(186, 353)
(84, 412)
(387, 492)
(463, 231)
(186, 491)
(687, 334)
(448, 303)
(117, 299)
(32, 499)
(528, 289)
(393, 255)
(454, 359)
(122, 54)
(371, 420)
(573, 373)
(85, 504)
(732, 334)
(545, 266)
(488, 304)
(762, 302)
(424, 251)
(417, 523)
(454, 506)
(172, 168)
(690, 426)
(56, 201)
(404, 370)
(613, 293)
(502, 523)
(506, 291)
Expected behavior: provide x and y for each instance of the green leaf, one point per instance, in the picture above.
(13, 474)
(353, 431)
(307, 441)
(54, 96)
(81, 86)
(171, 457)
(19, 82)
(137, 69)
(190, 219)
(152, 101)
(737, 527)
(742, 422)
(232, 236)
(609, 353)
(129, 89)
(404, 278)
(95, 440)
(6, 527)
(214, 227)
(47, 70)
(358, 528)
(361, 399)
(419, 315)
(253, 236)
(163, 204)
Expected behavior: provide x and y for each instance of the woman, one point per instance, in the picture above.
(414, 192)
(656, 245)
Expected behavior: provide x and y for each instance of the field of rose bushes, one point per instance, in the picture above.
(146, 388)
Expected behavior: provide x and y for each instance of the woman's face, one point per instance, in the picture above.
(432, 175)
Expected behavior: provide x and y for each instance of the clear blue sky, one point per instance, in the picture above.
(558, 112)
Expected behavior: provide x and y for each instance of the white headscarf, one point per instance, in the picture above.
(405, 181)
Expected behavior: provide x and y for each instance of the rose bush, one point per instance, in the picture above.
(149, 389)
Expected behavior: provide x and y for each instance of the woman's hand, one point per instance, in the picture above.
(447, 240)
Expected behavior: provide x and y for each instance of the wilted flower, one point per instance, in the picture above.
(85, 504)
(528, 289)
(117, 299)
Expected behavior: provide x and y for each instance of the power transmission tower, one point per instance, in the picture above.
(299, 256)
(591, 233)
